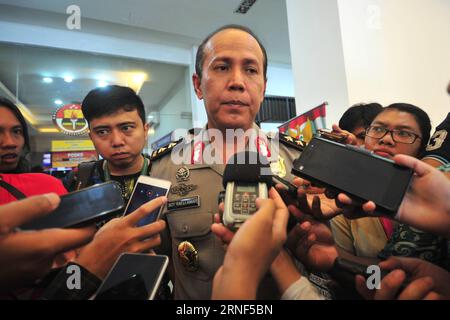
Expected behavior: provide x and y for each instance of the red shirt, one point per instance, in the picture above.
(30, 184)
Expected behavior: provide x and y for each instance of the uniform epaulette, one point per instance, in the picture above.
(292, 142)
(164, 150)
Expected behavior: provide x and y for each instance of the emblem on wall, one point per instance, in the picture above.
(70, 120)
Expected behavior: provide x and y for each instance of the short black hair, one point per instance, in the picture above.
(422, 118)
(200, 57)
(108, 100)
(6, 103)
(359, 115)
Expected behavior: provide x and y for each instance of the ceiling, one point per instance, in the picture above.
(23, 68)
(186, 22)
(191, 18)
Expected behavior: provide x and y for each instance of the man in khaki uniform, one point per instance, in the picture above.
(230, 77)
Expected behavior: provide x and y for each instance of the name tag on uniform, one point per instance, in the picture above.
(185, 203)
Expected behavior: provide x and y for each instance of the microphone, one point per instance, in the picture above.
(247, 176)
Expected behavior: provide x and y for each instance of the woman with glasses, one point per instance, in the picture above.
(399, 129)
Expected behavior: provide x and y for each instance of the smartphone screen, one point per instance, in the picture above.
(142, 194)
(354, 171)
(133, 277)
(86, 206)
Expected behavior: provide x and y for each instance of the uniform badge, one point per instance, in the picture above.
(182, 174)
(278, 168)
(188, 256)
(183, 189)
(185, 203)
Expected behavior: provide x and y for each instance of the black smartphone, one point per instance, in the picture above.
(133, 277)
(357, 172)
(87, 206)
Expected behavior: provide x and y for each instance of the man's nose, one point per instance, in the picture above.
(236, 80)
(117, 139)
(387, 139)
(8, 141)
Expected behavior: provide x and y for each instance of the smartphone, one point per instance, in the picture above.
(355, 171)
(146, 189)
(333, 136)
(87, 206)
(133, 277)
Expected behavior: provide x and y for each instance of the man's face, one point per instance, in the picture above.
(386, 146)
(12, 140)
(119, 137)
(232, 84)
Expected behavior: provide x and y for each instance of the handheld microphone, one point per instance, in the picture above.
(247, 176)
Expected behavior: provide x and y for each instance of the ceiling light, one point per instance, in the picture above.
(47, 80)
(102, 83)
(58, 102)
(68, 79)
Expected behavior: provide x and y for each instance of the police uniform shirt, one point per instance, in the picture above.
(192, 202)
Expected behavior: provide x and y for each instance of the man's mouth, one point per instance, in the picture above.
(120, 155)
(383, 153)
(235, 103)
(9, 157)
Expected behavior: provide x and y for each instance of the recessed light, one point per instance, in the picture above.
(102, 83)
(47, 80)
(58, 102)
(68, 79)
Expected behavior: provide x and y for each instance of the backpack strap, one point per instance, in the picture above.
(85, 170)
(12, 190)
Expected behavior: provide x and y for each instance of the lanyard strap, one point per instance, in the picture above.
(108, 175)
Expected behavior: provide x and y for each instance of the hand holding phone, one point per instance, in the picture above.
(133, 277)
(356, 172)
(80, 208)
(122, 235)
(147, 189)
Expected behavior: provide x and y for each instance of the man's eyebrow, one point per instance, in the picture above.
(396, 127)
(126, 123)
(100, 127)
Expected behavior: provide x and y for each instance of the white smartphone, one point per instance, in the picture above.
(146, 189)
(134, 276)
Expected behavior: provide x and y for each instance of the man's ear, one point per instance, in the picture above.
(146, 128)
(196, 81)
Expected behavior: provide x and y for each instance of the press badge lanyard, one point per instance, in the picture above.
(131, 186)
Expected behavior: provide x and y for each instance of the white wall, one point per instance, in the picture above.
(398, 51)
(317, 56)
(280, 81)
(170, 113)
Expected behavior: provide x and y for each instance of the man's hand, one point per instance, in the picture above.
(312, 242)
(27, 256)
(121, 235)
(251, 249)
(426, 204)
(426, 281)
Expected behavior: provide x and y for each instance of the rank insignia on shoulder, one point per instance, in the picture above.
(164, 150)
(292, 142)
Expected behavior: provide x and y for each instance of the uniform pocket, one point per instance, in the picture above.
(195, 228)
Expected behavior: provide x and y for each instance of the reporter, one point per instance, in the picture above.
(247, 260)
(27, 256)
(425, 281)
